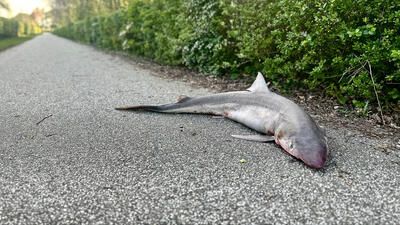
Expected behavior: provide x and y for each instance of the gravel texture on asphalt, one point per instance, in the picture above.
(67, 157)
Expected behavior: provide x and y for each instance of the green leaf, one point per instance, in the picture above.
(341, 99)
(358, 104)
(234, 76)
(394, 93)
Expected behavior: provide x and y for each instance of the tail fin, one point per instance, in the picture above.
(167, 108)
(141, 108)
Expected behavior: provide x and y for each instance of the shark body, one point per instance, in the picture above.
(275, 117)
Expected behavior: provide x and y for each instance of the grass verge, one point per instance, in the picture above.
(9, 42)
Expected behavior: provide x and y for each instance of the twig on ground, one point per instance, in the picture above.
(376, 93)
(269, 197)
(44, 119)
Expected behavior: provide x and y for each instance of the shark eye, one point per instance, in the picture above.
(291, 145)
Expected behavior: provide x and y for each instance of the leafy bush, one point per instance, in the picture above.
(153, 30)
(12, 28)
(8, 28)
(349, 48)
(21, 29)
(102, 31)
(110, 29)
(206, 44)
(329, 45)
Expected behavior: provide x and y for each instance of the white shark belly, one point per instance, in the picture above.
(255, 117)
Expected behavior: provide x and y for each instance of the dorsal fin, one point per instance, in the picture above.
(182, 98)
(259, 84)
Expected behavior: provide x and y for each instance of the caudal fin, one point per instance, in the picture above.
(167, 108)
(141, 108)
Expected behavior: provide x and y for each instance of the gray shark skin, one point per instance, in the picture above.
(272, 115)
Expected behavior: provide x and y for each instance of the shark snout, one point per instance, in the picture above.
(315, 159)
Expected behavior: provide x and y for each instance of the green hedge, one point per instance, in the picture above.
(8, 28)
(331, 44)
(102, 31)
(12, 28)
(341, 46)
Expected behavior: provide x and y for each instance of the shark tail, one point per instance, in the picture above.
(153, 108)
(158, 108)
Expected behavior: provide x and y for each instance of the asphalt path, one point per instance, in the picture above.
(67, 157)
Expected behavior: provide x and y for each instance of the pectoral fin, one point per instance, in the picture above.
(258, 138)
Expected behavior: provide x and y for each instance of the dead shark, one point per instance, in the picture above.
(275, 117)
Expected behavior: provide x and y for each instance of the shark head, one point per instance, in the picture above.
(299, 135)
(308, 146)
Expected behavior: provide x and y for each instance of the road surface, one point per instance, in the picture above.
(66, 157)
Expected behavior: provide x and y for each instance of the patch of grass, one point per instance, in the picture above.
(9, 42)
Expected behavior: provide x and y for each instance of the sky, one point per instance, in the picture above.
(25, 6)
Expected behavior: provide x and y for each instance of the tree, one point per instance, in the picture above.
(66, 11)
(38, 16)
(4, 5)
